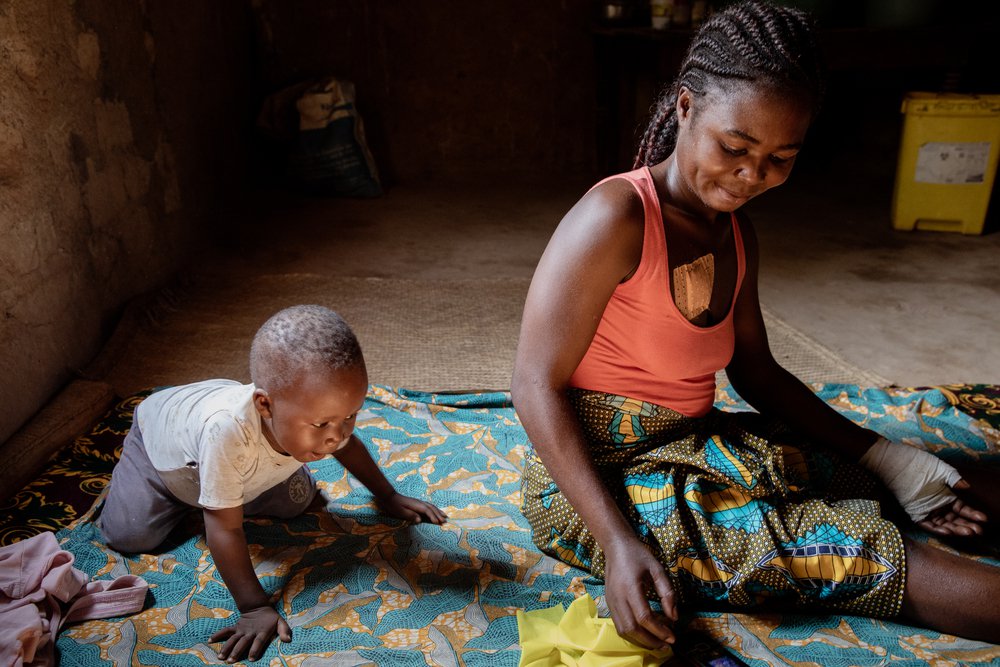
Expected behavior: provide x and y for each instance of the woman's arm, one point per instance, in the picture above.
(768, 387)
(915, 477)
(595, 247)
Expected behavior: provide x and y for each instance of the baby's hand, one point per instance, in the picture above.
(412, 509)
(253, 632)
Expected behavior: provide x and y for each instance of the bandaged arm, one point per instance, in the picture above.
(920, 481)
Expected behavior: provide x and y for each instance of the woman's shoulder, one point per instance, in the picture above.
(605, 227)
(614, 204)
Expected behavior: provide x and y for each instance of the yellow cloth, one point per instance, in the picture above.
(577, 637)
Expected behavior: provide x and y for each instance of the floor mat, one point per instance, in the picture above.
(435, 335)
(358, 588)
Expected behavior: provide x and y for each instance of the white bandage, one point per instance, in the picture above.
(920, 481)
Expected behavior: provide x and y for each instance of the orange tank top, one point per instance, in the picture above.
(644, 347)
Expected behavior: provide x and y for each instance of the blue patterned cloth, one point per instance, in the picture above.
(359, 588)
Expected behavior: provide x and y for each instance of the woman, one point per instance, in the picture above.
(646, 289)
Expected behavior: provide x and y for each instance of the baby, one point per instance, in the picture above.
(230, 450)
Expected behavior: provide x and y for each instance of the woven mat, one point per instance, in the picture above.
(443, 336)
(810, 361)
(428, 335)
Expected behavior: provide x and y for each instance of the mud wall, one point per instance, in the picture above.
(122, 128)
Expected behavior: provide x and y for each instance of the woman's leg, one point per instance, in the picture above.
(951, 593)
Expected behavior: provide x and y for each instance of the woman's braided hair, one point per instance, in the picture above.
(751, 42)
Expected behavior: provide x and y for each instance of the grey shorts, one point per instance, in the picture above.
(140, 511)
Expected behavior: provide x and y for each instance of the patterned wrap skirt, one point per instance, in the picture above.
(739, 512)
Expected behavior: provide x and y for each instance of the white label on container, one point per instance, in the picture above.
(953, 163)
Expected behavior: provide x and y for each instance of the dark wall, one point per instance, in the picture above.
(876, 50)
(448, 87)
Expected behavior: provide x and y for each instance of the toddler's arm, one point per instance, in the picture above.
(259, 621)
(359, 463)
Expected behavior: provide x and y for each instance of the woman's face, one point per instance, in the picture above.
(733, 146)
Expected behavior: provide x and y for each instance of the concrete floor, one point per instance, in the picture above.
(433, 231)
(916, 308)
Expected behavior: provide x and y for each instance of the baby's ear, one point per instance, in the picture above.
(262, 402)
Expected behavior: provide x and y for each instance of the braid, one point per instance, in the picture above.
(661, 131)
(747, 42)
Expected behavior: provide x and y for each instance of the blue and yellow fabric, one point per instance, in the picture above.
(361, 589)
(712, 500)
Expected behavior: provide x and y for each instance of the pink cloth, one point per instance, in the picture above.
(644, 348)
(40, 590)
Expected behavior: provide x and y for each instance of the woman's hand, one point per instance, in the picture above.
(925, 487)
(630, 571)
(412, 509)
(251, 634)
(957, 518)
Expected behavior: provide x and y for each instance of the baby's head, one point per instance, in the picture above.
(300, 341)
(310, 380)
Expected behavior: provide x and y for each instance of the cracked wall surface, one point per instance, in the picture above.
(122, 127)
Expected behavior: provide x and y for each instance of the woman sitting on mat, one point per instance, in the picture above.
(646, 289)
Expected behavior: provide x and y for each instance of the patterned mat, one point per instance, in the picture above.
(361, 589)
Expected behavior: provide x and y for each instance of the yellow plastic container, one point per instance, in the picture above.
(947, 162)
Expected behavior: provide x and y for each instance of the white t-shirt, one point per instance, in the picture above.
(205, 440)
